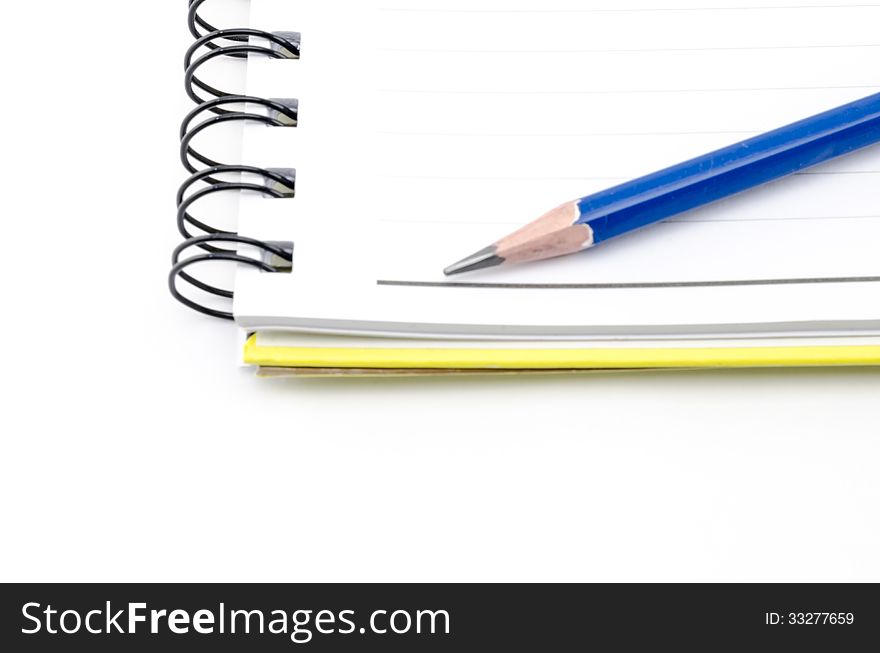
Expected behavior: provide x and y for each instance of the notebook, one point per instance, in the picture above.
(426, 129)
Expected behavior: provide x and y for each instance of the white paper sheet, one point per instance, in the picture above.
(429, 129)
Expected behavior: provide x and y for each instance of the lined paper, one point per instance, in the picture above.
(429, 129)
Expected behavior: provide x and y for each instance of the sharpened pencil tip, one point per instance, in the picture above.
(485, 258)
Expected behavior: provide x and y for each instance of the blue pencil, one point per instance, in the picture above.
(589, 221)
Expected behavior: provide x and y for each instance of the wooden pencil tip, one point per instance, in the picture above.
(485, 258)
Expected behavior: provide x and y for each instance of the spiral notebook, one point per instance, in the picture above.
(403, 134)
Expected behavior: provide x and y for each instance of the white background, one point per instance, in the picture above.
(134, 449)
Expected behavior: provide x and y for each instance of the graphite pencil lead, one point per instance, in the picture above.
(485, 258)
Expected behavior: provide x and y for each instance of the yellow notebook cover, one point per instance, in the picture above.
(500, 358)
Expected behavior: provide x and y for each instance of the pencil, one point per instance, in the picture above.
(589, 221)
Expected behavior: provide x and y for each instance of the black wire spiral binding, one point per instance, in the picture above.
(208, 180)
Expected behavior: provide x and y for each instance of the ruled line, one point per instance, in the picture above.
(737, 132)
(664, 222)
(755, 48)
(628, 91)
(585, 179)
(630, 286)
(617, 10)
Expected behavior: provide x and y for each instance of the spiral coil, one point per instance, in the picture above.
(208, 176)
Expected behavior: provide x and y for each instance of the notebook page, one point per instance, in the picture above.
(431, 129)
